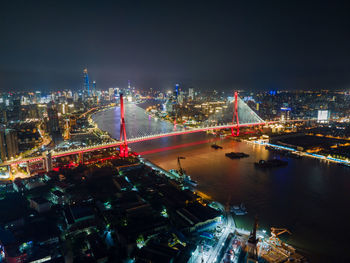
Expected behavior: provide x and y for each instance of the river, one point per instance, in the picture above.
(308, 197)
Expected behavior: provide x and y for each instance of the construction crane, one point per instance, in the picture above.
(181, 170)
(275, 241)
(275, 232)
(276, 251)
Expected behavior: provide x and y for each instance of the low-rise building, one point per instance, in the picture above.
(40, 204)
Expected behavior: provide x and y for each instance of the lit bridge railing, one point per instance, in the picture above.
(132, 140)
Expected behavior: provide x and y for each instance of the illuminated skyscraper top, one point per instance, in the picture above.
(94, 88)
(86, 82)
(176, 91)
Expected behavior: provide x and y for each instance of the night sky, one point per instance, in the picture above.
(252, 45)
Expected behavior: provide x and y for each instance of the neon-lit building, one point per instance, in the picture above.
(176, 91)
(86, 82)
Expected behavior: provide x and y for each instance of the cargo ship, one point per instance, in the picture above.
(236, 155)
(215, 146)
(239, 210)
(271, 163)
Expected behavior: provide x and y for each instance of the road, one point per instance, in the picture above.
(214, 252)
(229, 228)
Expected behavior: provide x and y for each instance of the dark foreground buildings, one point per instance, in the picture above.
(101, 213)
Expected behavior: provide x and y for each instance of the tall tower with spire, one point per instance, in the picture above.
(94, 88)
(86, 82)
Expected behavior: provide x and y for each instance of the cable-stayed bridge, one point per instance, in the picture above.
(140, 124)
(233, 115)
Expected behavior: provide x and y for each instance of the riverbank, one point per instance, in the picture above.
(303, 153)
(295, 197)
(97, 128)
(308, 197)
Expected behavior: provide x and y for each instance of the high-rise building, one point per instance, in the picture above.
(176, 91)
(180, 98)
(111, 93)
(3, 151)
(169, 106)
(75, 96)
(161, 96)
(285, 114)
(48, 162)
(53, 123)
(86, 82)
(63, 108)
(94, 88)
(4, 116)
(8, 144)
(191, 93)
(38, 96)
(11, 143)
(16, 110)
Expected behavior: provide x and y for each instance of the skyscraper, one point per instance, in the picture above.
(75, 96)
(3, 151)
(176, 91)
(53, 122)
(86, 82)
(94, 88)
(111, 93)
(285, 114)
(8, 144)
(191, 93)
(11, 143)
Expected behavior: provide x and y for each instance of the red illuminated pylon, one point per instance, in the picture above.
(235, 116)
(124, 151)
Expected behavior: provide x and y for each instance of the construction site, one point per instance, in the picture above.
(257, 246)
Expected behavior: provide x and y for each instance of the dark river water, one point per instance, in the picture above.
(308, 197)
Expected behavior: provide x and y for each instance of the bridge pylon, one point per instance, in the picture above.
(235, 116)
(123, 148)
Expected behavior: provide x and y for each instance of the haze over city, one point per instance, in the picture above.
(224, 45)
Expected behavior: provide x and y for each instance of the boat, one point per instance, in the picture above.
(239, 210)
(181, 176)
(271, 163)
(236, 155)
(215, 146)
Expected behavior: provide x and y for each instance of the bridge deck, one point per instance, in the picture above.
(130, 141)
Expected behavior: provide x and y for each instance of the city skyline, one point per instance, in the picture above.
(226, 46)
(174, 131)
